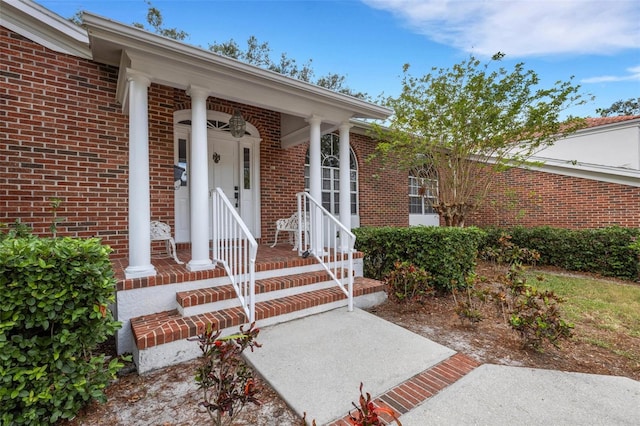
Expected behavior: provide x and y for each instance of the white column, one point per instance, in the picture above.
(315, 180)
(199, 182)
(139, 194)
(345, 180)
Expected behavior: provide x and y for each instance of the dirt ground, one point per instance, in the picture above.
(169, 397)
(493, 341)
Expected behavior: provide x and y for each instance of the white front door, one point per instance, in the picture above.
(231, 168)
(223, 169)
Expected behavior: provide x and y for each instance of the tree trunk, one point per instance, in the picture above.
(453, 215)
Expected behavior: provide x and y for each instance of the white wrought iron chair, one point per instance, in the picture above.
(160, 231)
(290, 225)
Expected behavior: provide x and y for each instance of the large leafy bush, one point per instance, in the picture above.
(612, 251)
(448, 254)
(54, 294)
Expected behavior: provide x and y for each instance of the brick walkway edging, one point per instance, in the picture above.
(414, 391)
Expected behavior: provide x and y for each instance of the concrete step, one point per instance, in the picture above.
(161, 338)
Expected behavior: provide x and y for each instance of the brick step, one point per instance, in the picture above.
(165, 327)
(204, 296)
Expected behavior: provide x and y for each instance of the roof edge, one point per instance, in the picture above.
(597, 172)
(165, 45)
(45, 27)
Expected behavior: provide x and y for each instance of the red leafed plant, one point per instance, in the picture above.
(225, 379)
(367, 414)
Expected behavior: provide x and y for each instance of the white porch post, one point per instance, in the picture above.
(139, 194)
(199, 182)
(345, 181)
(315, 180)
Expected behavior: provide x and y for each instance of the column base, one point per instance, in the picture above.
(139, 271)
(200, 265)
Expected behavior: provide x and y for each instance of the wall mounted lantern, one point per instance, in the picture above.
(237, 125)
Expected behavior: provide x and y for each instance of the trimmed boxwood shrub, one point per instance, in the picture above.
(611, 251)
(448, 254)
(54, 294)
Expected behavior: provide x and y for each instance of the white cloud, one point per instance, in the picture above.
(634, 75)
(523, 27)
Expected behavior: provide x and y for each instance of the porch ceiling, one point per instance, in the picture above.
(176, 64)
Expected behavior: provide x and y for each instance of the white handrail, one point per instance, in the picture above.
(236, 249)
(328, 240)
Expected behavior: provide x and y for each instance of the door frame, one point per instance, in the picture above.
(217, 122)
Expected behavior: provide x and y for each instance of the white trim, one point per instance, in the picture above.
(587, 171)
(254, 144)
(635, 122)
(582, 170)
(344, 196)
(139, 222)
(177, 64)
(199, 182)
(180, 199)
(44, 27)
(429, 219)
(185, 114)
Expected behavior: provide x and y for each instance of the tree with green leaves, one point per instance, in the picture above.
(470, 122)
(154, 19)
(629, 107)
(259, 54)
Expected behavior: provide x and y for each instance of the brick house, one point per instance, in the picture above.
(590, 179)
(67, 118)
(126, 127)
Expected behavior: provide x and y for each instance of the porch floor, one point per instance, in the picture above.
(169, 272)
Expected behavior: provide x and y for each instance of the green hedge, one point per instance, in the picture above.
(611, 251)
(54, 294)
(447, 253)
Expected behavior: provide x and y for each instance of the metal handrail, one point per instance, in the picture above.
(235, 249)
(322, 236)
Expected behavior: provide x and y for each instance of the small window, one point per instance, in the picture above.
(181, 171)
(246, 168)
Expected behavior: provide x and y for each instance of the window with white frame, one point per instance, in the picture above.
(330, 155)
(423, 190)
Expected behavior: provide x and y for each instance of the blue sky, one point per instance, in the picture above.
(368, 41)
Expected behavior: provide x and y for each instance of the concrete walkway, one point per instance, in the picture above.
(316, 364)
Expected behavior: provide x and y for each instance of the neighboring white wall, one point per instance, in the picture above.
(611, 145)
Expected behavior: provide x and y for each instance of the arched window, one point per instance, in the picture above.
(423, 190)
(215, 124)
(330, 154)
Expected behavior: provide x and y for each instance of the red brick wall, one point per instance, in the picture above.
(161, 155)
(384, 190)
(282, 177)
(534, 198)
(64, 136)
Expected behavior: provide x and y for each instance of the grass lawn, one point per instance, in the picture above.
(609, 309)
